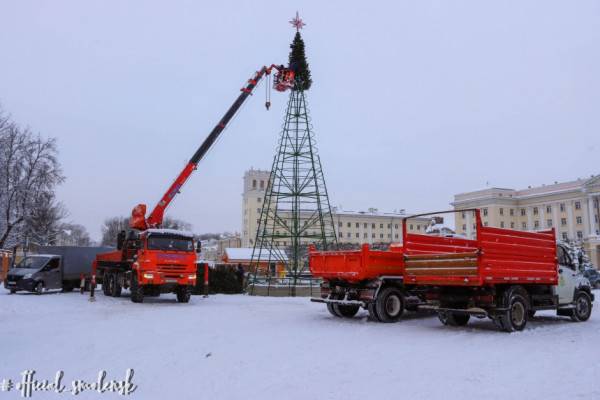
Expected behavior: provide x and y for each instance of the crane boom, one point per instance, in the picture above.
(155, 218)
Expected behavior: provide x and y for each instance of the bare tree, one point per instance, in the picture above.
(43, 225)
(29, 173)
(174, 223)
(73, 235)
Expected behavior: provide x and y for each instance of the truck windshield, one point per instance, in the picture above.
(32, 262)
(173, 243)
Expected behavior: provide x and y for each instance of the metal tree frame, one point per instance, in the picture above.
(296, 209)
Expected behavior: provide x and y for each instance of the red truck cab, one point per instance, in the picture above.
(149, 263)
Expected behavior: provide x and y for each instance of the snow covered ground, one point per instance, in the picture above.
(241, 347)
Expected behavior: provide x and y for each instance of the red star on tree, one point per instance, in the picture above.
(297, 22)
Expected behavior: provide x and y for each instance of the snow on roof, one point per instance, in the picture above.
(169, 232)
(245, 254)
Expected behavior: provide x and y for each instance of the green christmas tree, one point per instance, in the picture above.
(299, 65)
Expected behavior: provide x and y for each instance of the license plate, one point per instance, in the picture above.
(171, 280)
(12, 282)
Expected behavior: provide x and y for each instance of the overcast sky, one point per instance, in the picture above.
(412, 101)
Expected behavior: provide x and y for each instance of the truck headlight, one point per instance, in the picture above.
(27, 276)
(192, 276)
(148, 276)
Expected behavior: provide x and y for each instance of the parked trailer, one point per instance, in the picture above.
(53, 267)
(502, 274)
(371, 279)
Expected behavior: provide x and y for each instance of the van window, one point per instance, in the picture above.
(52, 265)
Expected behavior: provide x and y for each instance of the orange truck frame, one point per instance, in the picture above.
(502, 274)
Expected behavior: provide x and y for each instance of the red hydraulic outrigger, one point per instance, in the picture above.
(284, 80)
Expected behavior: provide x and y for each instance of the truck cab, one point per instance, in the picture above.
(571, 280)
(36, 273)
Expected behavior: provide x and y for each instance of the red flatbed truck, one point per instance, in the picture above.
(503, 274)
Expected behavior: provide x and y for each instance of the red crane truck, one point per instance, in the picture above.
(502, 274)
(149, 260)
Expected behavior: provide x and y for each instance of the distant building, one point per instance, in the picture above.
(356, 227)
(570, 207)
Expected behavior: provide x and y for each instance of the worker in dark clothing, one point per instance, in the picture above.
(240, 276)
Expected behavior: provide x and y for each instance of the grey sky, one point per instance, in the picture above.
(412, 102)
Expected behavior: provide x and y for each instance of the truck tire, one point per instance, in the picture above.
(39, 288)
(333, 310)
(389, 304)
(453, 319)
(583, 307)
(183, 294)
(13, 291)
(105, 284)
(515, 318)
(137, 291)
(373, 312)
(346, 310)
(116, 287)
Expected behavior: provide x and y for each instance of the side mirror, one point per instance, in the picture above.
(198, 246)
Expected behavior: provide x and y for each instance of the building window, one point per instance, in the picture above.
(396, 236)
(536, 224)
(389, 235)
(395, 226)
(349, 224)
(563, 221)
(549, 223)
(349, 234)
(474, 226)
(523, 225)
(357, 235)
(258, 199)
(258, 210)
(380, 226)
(578, 205)
(254, 184)
(512, 225)
(340, 224)
(373, 227)
(485, 212)
(365, 235)
(262, 184)
(389, 226)
(511, 212)
(411, 227)
(501, 211)
(381, 236)
(357, 225)
(562, 209)
(463, 215)
(365, 225)
(418, 227)
(501, 224)
(373, 235)
(579, 220)
(565, 236)
(579, 235)
(535, 211)
(340, 234)
(523, 212)
(485, 223)
(548, 209)
(464, 228)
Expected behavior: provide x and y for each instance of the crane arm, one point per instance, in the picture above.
(155, 218)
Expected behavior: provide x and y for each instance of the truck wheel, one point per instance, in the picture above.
(137, 291)
(183, 294)
(389, 304)
(515, 318)
(333, 310)
(13, 291)
(39, 288)
(346, 310)
(583, 307)
(373, 312)
(453, 319)
(105, 284)
(116, 288)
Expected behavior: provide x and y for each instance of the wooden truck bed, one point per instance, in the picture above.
(356, 265)
(497, 256)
